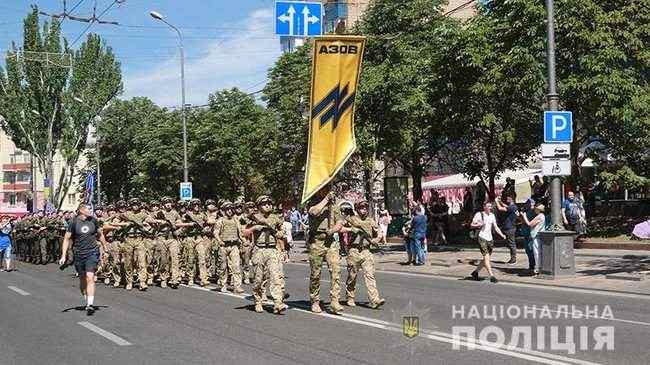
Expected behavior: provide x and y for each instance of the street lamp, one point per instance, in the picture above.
(156, 15)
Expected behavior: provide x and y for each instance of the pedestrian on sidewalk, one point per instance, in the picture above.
(439, 217)
(82, 233)
(485, 222)
(536, 225)
(384, 222)
(418, 235)
(509, 224)
(407, 234)
(5, 243)
(529, 211)
(571, 214)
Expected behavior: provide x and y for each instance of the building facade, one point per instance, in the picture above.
(16, 190)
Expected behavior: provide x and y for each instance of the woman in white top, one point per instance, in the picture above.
(536, 225)
(384, 222)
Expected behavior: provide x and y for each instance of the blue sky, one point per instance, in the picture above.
(227, 42)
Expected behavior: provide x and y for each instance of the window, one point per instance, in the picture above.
(23, 177)
(72, 199)
(334, 11)
(10, 177)
(11, 197)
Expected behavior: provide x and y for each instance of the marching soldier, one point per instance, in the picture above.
(168, 251)
(152, 243)
(134, 246)
(212, 249)
(246, 251)
(112, 257)
(229, 236)
(194, 244)
(364, 233)
(323, 220)
(267, 235)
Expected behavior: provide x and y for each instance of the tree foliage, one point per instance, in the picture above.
(50, 94)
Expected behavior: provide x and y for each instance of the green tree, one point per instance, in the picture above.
(49, 95)
(404, 93)
(233, 146)
(500, 88)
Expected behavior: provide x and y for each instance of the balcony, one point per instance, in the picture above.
(8, 167)
(16, 187)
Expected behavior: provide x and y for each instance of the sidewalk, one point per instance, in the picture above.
(621, 271)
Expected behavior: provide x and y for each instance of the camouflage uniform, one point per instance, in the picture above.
(359, 257)
(228, 235)
(267, 232)
(134, 246)
(170, 254)
(195, 245)
(246, 248)
(323, 247)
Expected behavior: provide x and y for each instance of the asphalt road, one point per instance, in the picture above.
(42, 323)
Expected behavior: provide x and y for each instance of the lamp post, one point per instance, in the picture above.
(158, 16)
(557, 244)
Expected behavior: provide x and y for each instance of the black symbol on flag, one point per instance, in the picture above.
(338, 102)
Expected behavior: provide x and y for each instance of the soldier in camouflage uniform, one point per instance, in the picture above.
(228, 235)
(364, 233)
(195, 242)
(134, 251)
(168, 249)
(267, 236)
(212, 250)
(246, 248)
(152, 244)
(112, 257)
(324, 222)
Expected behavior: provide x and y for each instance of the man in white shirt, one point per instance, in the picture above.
(485, 222)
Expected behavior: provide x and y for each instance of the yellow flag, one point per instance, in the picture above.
(335, 77)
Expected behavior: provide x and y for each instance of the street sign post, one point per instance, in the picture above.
(186, 191)
(298, 18)
(558, 127)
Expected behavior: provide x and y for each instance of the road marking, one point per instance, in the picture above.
(18, 290)
(508, 350)
(508, 283)
(112, 337)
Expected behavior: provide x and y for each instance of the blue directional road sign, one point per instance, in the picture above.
(186, 191)
(558, 127)
(298, 19)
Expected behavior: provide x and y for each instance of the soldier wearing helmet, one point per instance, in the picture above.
(228, 235)
(166, 220)
(267, 235)
(195, 243)
(134, 251)
(324, 223)
(364, 233)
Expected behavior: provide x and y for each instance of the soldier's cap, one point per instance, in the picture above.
(264, 199)
(154, 203)
(345, 205)
(110, 207)
(134, 201)
(250, 205)
(362, 203)
(182, 203)
(167, 199)
(195, 202)
(227, 205)
(209, 202)
(120, 204)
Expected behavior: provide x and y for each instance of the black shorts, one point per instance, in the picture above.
(87, 263)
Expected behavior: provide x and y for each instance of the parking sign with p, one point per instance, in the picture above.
(558, 127)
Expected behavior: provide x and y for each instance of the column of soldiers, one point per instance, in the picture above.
(175, 242)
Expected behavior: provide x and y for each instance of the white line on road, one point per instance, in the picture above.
(508, 283)
(112, 337)
(18, 290)
(512, 351)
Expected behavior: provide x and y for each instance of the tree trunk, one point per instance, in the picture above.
(491, 188)
(416, 173)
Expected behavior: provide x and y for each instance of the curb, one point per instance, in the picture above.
(525, 283)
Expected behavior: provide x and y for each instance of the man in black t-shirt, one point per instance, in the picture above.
(82, 232)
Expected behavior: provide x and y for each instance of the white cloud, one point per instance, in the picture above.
(241, 60)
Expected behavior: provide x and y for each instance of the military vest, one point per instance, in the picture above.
(229, 230)
(268, 236)
(364, 229)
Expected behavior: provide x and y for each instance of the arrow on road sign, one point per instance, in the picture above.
(308, 19)
(288, 17)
